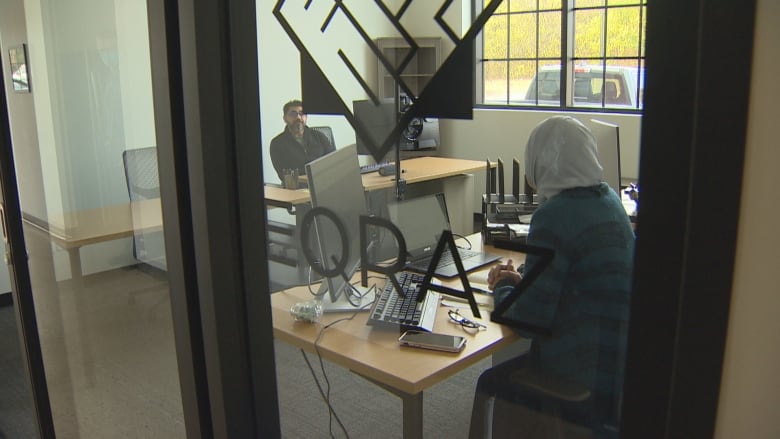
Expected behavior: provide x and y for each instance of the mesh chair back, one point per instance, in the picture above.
(328, 133)
(143, 181)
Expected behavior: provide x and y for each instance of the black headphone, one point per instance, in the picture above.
(415, 127)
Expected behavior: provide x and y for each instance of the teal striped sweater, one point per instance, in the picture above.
(583, 296)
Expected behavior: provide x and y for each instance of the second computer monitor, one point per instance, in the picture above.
(608, 142)
(335, 184)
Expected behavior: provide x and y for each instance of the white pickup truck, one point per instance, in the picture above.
(593, 86)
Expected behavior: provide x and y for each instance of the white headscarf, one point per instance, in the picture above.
(561, 154)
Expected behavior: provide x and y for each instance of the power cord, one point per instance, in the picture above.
(465, 239)
(325, 394)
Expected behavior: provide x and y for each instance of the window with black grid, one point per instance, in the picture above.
(582, 54)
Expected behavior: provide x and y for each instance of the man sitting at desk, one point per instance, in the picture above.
(297, 144)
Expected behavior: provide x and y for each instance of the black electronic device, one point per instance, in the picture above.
(430, 340)
(377, 167)
(389, 169)
(500, 180)
(516, 180)
(505, 215)
(528, 191)
(377, 122)
(422, 220)
(421, 131)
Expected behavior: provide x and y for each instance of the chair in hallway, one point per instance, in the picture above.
(143, 183)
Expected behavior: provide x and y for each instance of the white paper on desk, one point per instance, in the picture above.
(455, 302)
(519, 229)
(479, 278)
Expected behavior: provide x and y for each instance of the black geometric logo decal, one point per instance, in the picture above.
(448, 94)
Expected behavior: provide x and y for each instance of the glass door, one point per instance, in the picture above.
(83, 137)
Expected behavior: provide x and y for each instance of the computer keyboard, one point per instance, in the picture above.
(393, 309)
(365, 169)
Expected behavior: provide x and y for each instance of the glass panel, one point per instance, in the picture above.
(549, 34)
(625, 2)
(623, 32)
(522, 43)
(643, 31)
(93, 224)
(521, 74)
(521, 5)
(339, 342)
(17, 413)
(625, 84)
(588, 3)
(502, 8)
(588, 33)
(496, 82)
(549, 4)
(495, 37)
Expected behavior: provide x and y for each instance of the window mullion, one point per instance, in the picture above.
(567, 52)
(508, 47)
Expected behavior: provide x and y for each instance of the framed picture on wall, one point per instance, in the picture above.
(19, 75)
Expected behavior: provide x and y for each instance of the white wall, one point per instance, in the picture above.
(750, 388)
(503, 134)
(91, 76)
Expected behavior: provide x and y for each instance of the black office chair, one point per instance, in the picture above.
(328, 131)
(558, 407)
(143, 183)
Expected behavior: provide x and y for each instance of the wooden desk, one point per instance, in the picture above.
(456, 186)
(420, 169)
(73, 230)
(375, 353)
(415, 170)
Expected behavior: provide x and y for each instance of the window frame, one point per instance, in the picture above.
(567, 60)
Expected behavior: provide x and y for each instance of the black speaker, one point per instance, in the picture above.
(421, 132)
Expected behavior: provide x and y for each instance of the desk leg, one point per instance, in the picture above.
(303, 266)
(413, 415)
(412, 409)
(77, 284)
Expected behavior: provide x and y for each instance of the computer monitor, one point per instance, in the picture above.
(608, 141)
(375, 123)
(335, 184)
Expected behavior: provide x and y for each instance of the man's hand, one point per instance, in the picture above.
(502, 271)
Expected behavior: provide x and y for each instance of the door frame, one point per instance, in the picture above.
(205, 79)
(21, 285)
(693, 146)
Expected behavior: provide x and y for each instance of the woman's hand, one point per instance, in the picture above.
(502, 271)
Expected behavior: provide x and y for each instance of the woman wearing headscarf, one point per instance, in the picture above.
(579, 303)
